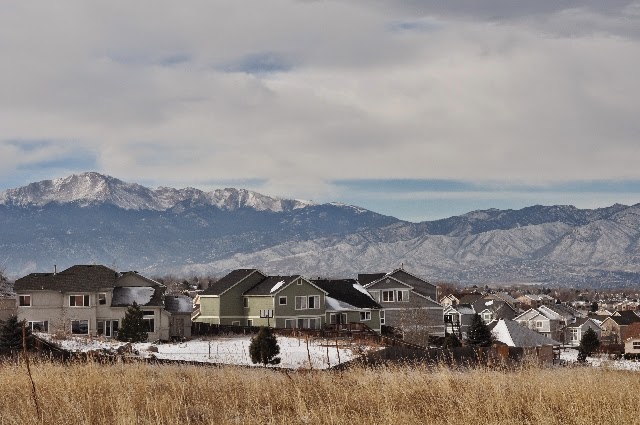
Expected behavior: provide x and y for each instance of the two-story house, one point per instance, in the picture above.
(409, 304)
(91, 300)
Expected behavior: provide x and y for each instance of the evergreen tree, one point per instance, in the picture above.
(11, 334)
(479, 334)
(264, 348)
(451, 340)
(133, 328)
(588, 344)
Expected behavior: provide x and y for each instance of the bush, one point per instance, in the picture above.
(264, 348)
(11, 334)
(133, 328)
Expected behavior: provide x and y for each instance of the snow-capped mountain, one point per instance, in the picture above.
(93, 188)
(94, 218)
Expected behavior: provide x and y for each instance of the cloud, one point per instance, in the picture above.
(295, 95)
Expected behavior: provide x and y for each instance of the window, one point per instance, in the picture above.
(403, 296)
(311, 323)
(289, 323)
(301, 303)
(282, 300)
(78, 300)
(574, 334)
(332, 319)
(246, 302)
(299, 282)
(108, 328)
(249, 322)
(314, 301)
(149, 320)
(24, 300)
(235, 323)
(539, 324)
(382, 317)
(365, 315)
(636, 345)
(387, 296)
(486, 317)
(80, 327)
(102, 299)
(39, 326)
(450, 318)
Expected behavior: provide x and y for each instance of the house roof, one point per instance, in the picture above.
(271, 284)
(625, 317)
(464, 309)
(565, 311)
(514, 334)
(469, 298)
(506, 297)
(147, 296)
(178, 304)
(347, 291)
(581, 321)
(228, 281)
(84, 278)
(366, 278)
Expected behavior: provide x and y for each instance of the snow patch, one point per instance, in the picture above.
(360, 288)
(277, 286)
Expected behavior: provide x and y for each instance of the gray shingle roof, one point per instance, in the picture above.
(343, 290)
(178, 304)
(228, 281)
(87, 278)
(267, 285)
(366, 278)
(515, 335)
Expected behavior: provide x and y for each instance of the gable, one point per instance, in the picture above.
(388, 282)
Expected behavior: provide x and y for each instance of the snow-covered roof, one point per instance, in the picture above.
(125, 296)
(178, 304)
(337, 305)
(513, 334)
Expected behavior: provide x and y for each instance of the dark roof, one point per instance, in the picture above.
(217, 288)
(625, 317)
(343, 290)
(367, 278)
(267, 285)
(76, 278)
(178, 304)
(579, 322)
(469, 298)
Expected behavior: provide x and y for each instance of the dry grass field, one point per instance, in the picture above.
(145, 394)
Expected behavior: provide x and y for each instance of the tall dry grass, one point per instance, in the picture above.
(145, 394)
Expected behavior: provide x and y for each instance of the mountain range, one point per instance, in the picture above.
(91, 217)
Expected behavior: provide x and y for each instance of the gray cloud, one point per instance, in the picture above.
(298, 94)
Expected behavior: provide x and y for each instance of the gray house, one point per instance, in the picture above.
(92, 300)
(409, 304)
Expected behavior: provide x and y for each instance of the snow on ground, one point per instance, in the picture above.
(570, 355)
(229, 350)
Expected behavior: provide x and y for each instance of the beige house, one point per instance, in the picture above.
(92, 300)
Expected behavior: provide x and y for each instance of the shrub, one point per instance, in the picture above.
(133, 328)
(264, 348)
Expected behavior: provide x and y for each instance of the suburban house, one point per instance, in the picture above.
(535, 300)
(222, 303)
(451, 299)
(494, 309)
(573, 332)
(458, 318)
(348, 302)
(248, 297)
(614, 326)
(543, 320)
(513, 334)
(408, 302)
(632, 339)
(92, 300)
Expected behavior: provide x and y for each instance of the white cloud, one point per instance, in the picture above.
(487, 90)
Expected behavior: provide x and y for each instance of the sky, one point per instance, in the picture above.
(420, 109)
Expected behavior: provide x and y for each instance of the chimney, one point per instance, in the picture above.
(55, 269)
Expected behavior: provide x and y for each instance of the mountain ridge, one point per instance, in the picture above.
(93, 218)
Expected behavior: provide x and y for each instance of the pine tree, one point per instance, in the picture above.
(451, 340)
(588, 344)
(11, 334)
(264, 348)
(479, 334)
(133, 327)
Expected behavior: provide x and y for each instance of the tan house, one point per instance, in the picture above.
(92, 300)
(614, 326)
(632, 340)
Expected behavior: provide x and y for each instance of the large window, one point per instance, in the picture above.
(308, 302)
(149, 320)
(387, 296)
(289, 323)
(39, 326)
(108, 328)
(80, 327)
(636, 345)
(310, 323)
(24, 300)
(574, 334)
(365, 316)
(402, 296)
(78, 300)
